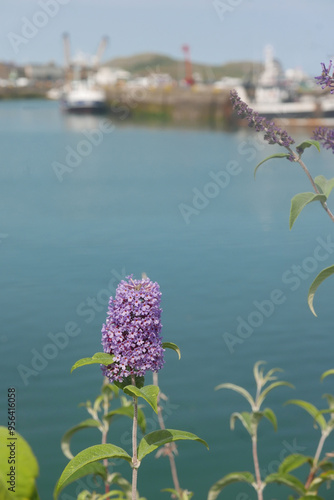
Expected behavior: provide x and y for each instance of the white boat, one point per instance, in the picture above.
(309, 111)
(277, 102)
(275, 97)
(83, 96)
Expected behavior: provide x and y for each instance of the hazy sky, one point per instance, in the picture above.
(217, 31)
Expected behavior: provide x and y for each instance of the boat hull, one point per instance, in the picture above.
(83, 97)
(83, 107)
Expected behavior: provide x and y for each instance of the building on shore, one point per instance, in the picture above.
(44, 72)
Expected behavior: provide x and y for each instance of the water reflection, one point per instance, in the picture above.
(80, 122)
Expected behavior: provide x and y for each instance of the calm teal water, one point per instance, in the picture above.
(135, 203)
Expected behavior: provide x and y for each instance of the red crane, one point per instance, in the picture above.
(187, 66)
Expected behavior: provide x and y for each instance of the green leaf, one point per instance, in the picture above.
(278, 155)
(308, 144)
(234, 477)
(324, 185)
(310, 497)
(174, 347)
(101, 358)
(314, 486)
(155, 439)
(258, 373)
(330, 423)
(293, 461)
(26, 467)
(270, 415)
(326, 465)
(270, 387)
(128, 411)
(149, 393)
(324, 274)
(85, 457)
(300, 201)
(311, 409)
(288, 480)
(95, 468)
(269, 376)
(97, 403)
(65, 441)
(110, 390)
(245, 418)
(114, 493)
(84, 495)
(117, 478)
(328, 475)
(183, 495)
(330, 400)
(139, 382)
(325, 374)
(238, 389)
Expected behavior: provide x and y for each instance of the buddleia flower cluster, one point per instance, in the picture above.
(326, 79)
(325, 135)
(272, 133)
(132, 330)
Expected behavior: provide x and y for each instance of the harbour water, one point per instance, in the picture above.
(85, 202)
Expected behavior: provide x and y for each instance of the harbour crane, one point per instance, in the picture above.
(100, 51)
(82, 67)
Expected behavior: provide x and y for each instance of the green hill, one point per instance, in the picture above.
(144, 64)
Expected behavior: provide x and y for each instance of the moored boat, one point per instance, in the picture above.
(83, 96)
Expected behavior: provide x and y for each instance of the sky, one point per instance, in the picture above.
(217, 31)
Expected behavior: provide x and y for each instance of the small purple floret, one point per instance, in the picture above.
(132, 330)
(326, 79)
(272, 133)
(325, 136)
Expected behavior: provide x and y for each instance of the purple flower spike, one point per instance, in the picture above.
(272, 133)
(132, 330)
(325, 136)
(326, 79)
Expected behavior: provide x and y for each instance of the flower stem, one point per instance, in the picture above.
(169, 447)
(105, 461)
(304, 167)
(135, 464)
(105, 435)
(313, 470)
(259, 488)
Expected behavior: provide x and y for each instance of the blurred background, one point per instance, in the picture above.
(120, 154)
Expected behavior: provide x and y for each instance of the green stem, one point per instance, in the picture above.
(105, 461)
(104, 439)
(135, 464)
(106, 405)
(259, 488)
(169, 448)
(304, 167)
(258, 392)
(314, 468)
